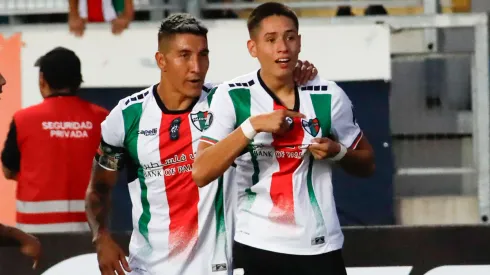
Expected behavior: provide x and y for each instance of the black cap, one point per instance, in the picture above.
(61, 68)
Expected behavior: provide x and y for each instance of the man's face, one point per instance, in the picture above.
(277, 44)
(2, 82)
(184, 58)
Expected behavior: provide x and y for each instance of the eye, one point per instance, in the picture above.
(184, 54)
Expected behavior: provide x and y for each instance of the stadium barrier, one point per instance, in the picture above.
(444, 250)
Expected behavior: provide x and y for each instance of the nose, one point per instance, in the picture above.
(195, 64)
(281, 46)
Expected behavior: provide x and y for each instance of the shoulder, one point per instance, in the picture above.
(243, 82)
(323, 86)
(29, 112)
(136, 98)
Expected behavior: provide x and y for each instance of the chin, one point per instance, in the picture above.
(193, 92)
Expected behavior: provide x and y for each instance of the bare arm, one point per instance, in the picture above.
(358, 161)
(213, 160)
(129, 9)
(73, 8)
(98, 199)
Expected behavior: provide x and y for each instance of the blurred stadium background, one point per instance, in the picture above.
(433, 159)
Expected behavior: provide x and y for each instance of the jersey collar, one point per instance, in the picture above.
(275, 98)
(164, 109)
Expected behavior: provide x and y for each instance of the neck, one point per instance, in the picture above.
(279, 86)
(172, 98)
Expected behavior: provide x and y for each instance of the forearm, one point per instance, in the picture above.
(73, 8)
(129, 9)
(97, 203)
(213, 161)
(358, 162)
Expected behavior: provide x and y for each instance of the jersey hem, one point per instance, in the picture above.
(330, 246)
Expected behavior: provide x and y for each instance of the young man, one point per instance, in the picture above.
(283, 139)
(177, 227)
(50, 147)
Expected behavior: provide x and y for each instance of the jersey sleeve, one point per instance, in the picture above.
(11, 152)
(111, 153)
(344, 125)
(222, 121)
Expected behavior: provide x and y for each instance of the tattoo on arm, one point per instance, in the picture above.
(98, 198)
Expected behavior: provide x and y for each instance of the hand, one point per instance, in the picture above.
(275, 122)
(120, 24)
(324, 148)
(304, 72)
(31, 247)
(76, 25)
(110, 256)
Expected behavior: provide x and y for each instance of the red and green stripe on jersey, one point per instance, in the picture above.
(100, 10)
(288, 154)
(289, 157)
(183, 209)
(175, 155)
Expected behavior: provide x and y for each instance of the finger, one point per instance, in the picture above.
(318, 147)
(118, 268)
(297, 71)
(321, 140)
(105, 270)
(306, 74)
(318, 154)
(124, 262)
(314, 73)
(292, 114)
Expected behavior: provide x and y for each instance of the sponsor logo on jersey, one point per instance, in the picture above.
(311, 126)
(202, 120)
(318, 240)
(151, 132)
(219, 267)
(174, 129)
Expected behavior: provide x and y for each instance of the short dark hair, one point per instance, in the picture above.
(180, 23)
(61, 69)
(269, 9)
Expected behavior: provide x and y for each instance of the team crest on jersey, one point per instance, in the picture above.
(311, 126)
(202, 120)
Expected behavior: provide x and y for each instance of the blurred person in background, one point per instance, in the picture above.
(11, 236)
(119, 12)
(50, 147)
(2, 83)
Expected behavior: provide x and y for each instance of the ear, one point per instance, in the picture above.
(160, 59)
(252, 48)
(42, 82)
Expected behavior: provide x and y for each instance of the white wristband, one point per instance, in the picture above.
(247, 129)
(341, 153)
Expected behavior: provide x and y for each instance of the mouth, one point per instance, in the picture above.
(283, 60)
(195, 81)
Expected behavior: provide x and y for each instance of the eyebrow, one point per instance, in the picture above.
(273, 33)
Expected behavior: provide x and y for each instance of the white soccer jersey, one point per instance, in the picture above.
(285, 198)
(178, 228)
